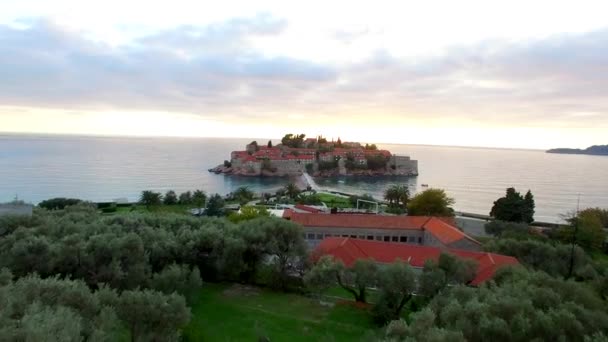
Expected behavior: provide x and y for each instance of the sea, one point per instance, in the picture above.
(38, 167)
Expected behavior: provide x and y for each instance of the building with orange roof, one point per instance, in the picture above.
(411, 230)
(282, 160)
(349, 250)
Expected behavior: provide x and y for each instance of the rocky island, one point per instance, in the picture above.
(317, 157)
(596, 150)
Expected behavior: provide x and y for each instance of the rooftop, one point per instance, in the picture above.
(441, 228)
(349, 250)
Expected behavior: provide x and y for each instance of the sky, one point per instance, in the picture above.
(517, 74)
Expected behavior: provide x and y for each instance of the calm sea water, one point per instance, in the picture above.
(103, 169)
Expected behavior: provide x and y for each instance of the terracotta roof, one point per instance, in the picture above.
(308, 209)
(287, 214)
(301, 156)
(444, 231)
(360, 221)
(349, 250)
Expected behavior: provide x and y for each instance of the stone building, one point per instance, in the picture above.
(256, 159)
(403, 165)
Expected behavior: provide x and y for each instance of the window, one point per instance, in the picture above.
(387, 238)
(310, 236)
(420, 240)
(319, 236)
(403, 239)
(353, 236)
(327, 235)
(378, 238)
(370, 237)
(344, 235)
(412, 239)
(362, 237)
(394, 238)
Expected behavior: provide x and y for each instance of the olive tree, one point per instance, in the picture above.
(355, 280)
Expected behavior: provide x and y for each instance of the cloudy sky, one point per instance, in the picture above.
(530, 74)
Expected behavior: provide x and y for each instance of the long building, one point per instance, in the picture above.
(411, 230)
(349, 250)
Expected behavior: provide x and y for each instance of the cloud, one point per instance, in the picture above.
(207, 69)
(218, 71)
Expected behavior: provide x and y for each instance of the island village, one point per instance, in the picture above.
(316, 156)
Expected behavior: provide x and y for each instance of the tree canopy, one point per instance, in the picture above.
(150, 198)
(514, 207)
(397, 196)
(431, 202)
(293, 140)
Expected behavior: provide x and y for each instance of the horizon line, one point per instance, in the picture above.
(101, 135)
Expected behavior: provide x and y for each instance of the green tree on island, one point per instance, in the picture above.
(514, 207)
(293, 141)
(431, 202)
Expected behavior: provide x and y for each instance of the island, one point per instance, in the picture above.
(596, 150)
(317, 157)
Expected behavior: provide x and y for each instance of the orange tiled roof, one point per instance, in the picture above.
(307, 208)
(360, 221)
(349, 250)
(441, 228)
(445, 232)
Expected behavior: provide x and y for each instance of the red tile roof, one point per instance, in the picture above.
(349, 250)
(287, 214)
(441, 228)
(445, 232)
(360, 221)
(308, 209)
(301, 156)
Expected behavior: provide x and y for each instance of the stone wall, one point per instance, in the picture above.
(289, 166)
(404, 165)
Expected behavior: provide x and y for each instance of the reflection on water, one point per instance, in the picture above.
(102, 169)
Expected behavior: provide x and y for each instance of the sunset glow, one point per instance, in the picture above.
(429, 73)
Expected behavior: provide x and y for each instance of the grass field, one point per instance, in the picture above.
(334, 201)
(227, 312)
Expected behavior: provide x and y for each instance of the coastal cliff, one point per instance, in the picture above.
(596, 150)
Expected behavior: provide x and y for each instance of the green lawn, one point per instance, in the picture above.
(334, 201)
(227, 312)
(339, 292)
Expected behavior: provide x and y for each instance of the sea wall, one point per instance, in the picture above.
(403, 165)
